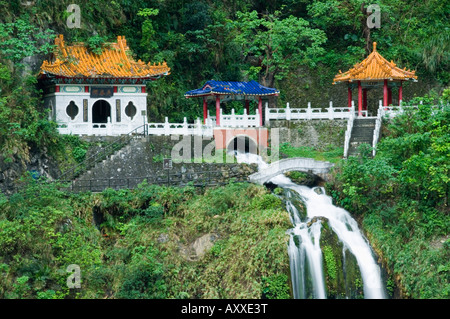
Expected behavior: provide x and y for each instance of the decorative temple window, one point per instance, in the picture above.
(72, 110)
(130, 110)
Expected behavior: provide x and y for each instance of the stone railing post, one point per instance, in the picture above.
(166, 126)
(257, 118)
(233, 118)
(288, 112)
(331, 111)
(198, 128)
(185, 127)
(245, 117)
(309, 111)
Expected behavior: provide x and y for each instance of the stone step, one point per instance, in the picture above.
(363, 136)
(365, 120)
(363, 127)
(362, 133)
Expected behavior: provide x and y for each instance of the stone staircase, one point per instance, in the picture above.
(362, 132)
(114, 162)
(104, 153)
(142, 158)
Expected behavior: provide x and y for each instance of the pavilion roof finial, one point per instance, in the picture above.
(374, 46)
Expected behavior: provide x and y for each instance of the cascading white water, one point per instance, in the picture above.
(340, 221)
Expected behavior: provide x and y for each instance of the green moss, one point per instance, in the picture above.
(330, 262)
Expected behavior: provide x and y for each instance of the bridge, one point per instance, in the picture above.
(307, 165)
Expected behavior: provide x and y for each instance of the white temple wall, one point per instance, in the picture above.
(82, 123)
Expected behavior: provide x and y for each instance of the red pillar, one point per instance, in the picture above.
(385, 94)
(260, 111)
(365, 99)
(217, 110)
(349, 96)
(247, 106)
(400, 92)
(359, 98)
(205, 110)
(389, 96)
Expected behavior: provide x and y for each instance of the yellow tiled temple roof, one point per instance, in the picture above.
(375, 67)
(114, 61)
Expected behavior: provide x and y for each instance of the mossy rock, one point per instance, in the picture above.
(297, 202)
(341, 270)
(302, 178)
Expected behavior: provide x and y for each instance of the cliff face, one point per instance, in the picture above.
(38, 164)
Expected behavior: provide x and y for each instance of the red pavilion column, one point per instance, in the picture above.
(400, 92)
(359, 98)
(365, 99)
(389, 96)
(205, 110)
(217, 110)
(385, 94)
(260, 111)
(349, 96)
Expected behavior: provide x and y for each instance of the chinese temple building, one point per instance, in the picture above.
(244, 132)
(97, 94)
(374, 72)
(221, 91)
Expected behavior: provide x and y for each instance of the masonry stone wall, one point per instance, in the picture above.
(143, 159)
(312, 133)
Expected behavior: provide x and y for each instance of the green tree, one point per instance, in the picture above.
(20, 39)
(276, 45)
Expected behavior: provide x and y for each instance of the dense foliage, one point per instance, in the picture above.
(277, 42)
(296, 46)
(402, 196)
(287, 44)
(138, 243)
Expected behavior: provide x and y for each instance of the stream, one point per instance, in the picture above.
(304, 246)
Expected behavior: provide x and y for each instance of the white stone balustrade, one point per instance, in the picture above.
(309, 113)
(226, 120)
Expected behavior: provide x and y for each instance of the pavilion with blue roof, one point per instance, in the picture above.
(231, 90)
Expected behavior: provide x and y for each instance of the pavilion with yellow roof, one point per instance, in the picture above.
(97, 93)
(373, 72)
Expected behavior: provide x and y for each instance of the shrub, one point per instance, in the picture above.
(276, 287)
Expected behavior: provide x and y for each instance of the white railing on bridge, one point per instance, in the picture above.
(164, 128)
(376, 131)
(309, 113)
(235, 120)
(184, 128)
(115, 129)
(108, 129)
(348, 132)
(227, 120)
(390, 111)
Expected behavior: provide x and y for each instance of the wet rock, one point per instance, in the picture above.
(318, 190)
(317, 218)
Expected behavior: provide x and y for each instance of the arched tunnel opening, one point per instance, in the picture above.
(242, 144)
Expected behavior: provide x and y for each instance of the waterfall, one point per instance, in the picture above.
(305, 254)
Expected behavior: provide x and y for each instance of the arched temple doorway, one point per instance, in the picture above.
(101, 110)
